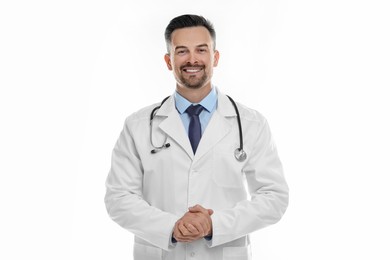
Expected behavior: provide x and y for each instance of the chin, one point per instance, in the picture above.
(197, 86)
(194, 85)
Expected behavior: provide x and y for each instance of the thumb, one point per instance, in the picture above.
(196, 208)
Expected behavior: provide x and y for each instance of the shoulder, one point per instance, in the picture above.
(246, 113)
(254, 123)
(142, 114)
(250, 114)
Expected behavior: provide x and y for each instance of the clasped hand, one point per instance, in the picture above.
(195, 224)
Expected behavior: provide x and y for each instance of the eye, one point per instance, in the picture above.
(202, 50)
(181, 52)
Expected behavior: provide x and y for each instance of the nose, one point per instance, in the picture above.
(192, 58)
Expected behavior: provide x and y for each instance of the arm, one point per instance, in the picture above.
(124, 200)
(268, 190)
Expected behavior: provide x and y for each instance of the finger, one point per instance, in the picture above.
(183, 230)
(176, 234)
(198, 208)
(193, 210)
(206, 227)
(198, 225)
(187, 239)
(202, 220)
(192, 229)
(190, 238)
(180, 238)
(206, 223)
(211, 212)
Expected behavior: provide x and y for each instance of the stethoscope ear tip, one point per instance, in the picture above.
(157, 149)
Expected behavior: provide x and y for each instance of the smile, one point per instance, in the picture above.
(192, 69)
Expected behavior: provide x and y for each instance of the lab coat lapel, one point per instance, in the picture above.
(219, 126)
(172, 125)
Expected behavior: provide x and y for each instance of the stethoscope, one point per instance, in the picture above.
(239, 153)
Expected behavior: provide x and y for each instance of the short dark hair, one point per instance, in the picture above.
(188, 20)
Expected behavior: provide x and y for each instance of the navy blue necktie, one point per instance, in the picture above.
(194, 130)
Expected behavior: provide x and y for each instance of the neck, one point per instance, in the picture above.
(194, 95)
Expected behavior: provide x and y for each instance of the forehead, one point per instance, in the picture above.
(191, 36)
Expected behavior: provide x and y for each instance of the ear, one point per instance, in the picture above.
(167, 59)
(216, 58)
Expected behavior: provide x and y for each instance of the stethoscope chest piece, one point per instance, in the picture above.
(240, 154)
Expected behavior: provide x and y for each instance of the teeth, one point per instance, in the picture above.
(192, 71)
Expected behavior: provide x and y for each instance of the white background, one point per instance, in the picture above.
(71, 71)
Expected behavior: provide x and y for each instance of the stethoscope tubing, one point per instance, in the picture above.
(239, 123)
(239, 153)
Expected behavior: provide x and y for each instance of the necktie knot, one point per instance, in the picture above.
(194, 110)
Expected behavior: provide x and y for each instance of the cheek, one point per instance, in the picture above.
(176, 64)
(210, 62)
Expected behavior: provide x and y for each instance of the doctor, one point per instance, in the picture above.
(175, 182)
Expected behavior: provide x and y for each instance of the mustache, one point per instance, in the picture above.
(192, 66)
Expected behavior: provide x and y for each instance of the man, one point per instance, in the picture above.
(175, 182)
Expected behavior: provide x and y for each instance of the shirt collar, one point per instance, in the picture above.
(209, 102)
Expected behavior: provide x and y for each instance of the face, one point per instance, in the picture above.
(192, 57)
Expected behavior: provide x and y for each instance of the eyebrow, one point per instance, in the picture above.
(197, 46)
(202, 45)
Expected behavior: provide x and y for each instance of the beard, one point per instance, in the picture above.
(193, 82)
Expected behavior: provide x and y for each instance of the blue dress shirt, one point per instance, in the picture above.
(209, 103)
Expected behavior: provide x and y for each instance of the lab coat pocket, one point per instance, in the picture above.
(236, 253)
(142, 252)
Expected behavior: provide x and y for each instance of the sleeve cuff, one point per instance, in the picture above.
(172, 241)
(208, 238)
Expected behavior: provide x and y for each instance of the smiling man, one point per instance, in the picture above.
(191, 55)
(181, 186)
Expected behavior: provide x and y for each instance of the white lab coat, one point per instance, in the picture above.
(147, 193)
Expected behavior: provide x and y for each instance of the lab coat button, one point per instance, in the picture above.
(192, 254)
